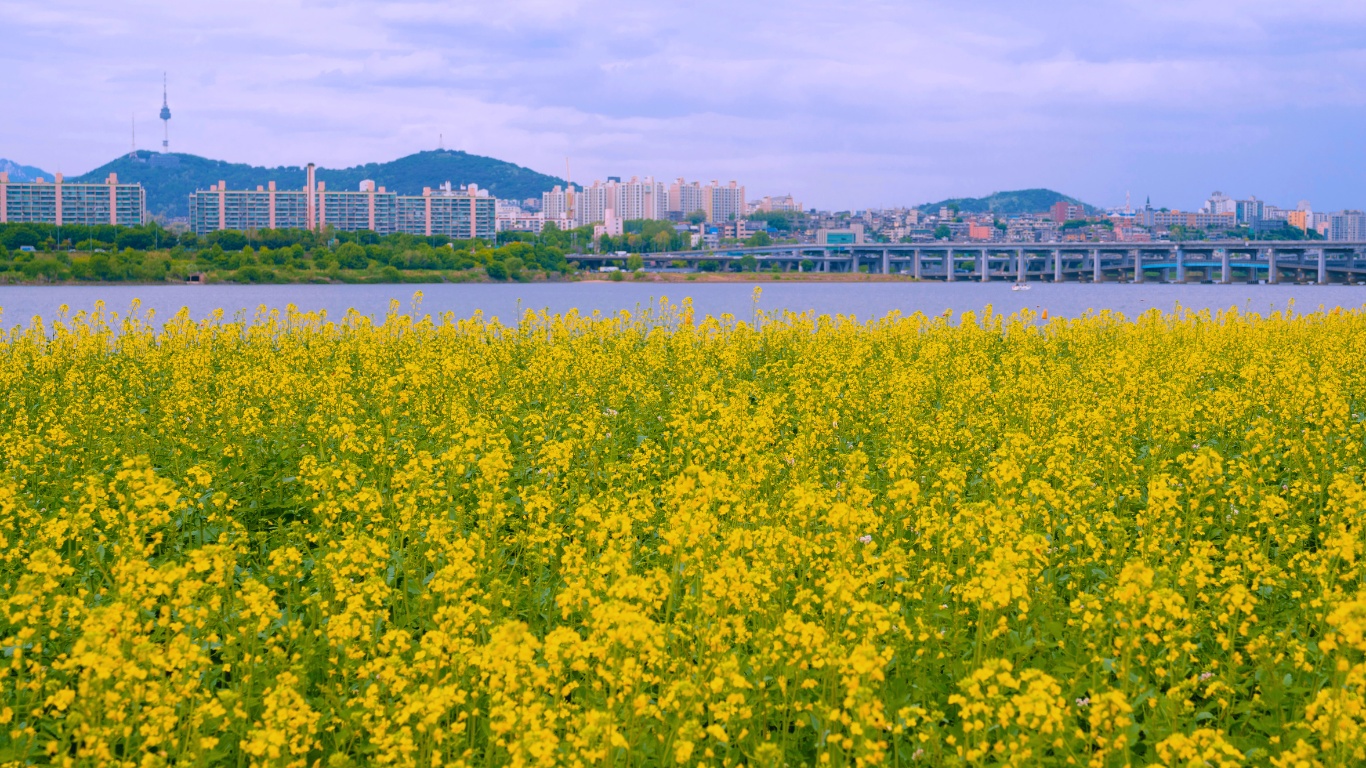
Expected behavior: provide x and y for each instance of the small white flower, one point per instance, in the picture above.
(609, 412)
(1084, 701)
(865, 539)
(1205, 676)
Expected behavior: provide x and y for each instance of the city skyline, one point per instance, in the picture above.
(876, 105)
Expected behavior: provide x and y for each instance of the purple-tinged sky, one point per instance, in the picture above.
(846, 105)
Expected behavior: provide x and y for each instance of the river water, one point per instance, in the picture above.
(18, 304)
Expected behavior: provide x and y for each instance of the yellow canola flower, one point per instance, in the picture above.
(657, 538)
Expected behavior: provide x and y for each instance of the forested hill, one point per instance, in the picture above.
(169, 179)
(1007, 203)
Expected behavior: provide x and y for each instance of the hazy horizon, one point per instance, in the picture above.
(875, 104)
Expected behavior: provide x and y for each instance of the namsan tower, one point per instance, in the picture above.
(165, 117)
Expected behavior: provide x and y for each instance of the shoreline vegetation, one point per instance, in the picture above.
(468, 277)
(658, 538)
(73, 254)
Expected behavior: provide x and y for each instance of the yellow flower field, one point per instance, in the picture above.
(655, 539)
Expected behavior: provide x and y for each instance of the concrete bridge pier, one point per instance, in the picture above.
(1096, 275)
(886, 262)
(1138, 265)
(1180, 265)
(1022, 270)
(949, 267)
(915, 263)
(1322, 256)
(1226, 268)
(1271, 276)
(986, 266)
(1057, 266)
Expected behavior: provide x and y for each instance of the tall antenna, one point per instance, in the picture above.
(165, 117)
(133, 145)
(568, 193)
(441, 141)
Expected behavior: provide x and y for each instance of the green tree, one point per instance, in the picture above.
(697, 217)
(759, 240)
(748, 263)
(496, 270)
(352, 256)
(942, 232)
(635, 262)
(229, 240)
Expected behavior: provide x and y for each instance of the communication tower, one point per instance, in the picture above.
(165, 117)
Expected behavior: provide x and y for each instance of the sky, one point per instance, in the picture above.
(847, 105)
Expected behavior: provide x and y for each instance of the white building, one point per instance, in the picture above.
(685, 197)
(1347, 226)
(723, 204)
(1220, 203)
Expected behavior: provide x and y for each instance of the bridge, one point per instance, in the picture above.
(1215, 261)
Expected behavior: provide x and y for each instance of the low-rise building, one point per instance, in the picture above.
(851, 235)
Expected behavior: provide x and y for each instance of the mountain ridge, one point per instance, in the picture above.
(169, 179)
(1008, 203)
(20, 173)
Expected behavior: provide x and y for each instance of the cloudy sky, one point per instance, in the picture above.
(846, 105)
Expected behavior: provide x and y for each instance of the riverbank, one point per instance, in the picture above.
(458, 277)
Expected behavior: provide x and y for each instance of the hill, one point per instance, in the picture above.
(22, 173)
(169, 179)
(1007, 203)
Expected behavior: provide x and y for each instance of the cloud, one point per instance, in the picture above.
(870, 103)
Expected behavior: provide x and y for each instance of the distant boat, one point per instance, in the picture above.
(1020, 287)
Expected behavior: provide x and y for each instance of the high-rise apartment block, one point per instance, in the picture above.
(555, 204)
(685, 198)
(1250, 211)
(723, 204)
(466, 213)
(59, 203)
(263, 208)
(1347, 226)
(627, 200)
(641, 199)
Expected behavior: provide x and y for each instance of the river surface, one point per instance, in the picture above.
(18, 304)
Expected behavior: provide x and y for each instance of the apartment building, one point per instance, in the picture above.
(1063, 212)
(465, 213)
(266, 207)
(58, 202)
(782, 204)
(723, 204)
(1347, 226)
(366, 208)
(684, 198)
(556, 203)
